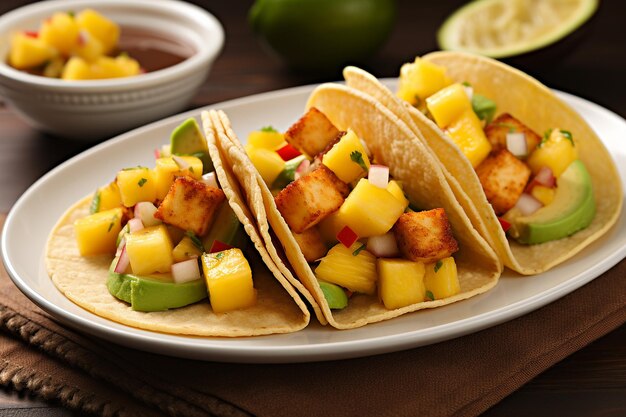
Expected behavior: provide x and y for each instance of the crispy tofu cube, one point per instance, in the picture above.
(311, 133)
(311, 244)
(190, 204)
(310, 199)
(496, 132)
(425, 236)
(503, 178)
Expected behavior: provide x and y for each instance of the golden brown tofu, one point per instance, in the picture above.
(496, 132)
(503, 178)
(311, 133)
(190, 204)
(425, 236)
(309, 199)
(311, 244)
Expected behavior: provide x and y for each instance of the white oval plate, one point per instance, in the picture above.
(36, 212)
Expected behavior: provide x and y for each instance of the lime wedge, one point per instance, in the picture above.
(504, 28)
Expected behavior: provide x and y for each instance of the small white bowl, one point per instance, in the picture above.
(93, 110)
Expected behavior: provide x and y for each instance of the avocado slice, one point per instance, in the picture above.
(288, 174)
(155, 292)
(187, 139)
(226, 228)
(335, 295)
(572, 209)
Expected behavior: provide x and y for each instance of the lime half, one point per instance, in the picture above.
(504, 28)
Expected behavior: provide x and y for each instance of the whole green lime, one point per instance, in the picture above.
(323, 35)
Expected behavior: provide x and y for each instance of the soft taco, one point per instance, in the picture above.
(365, 220)
(167, 249)
(533, 177)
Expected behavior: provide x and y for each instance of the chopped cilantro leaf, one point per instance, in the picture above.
(438, 266)
(430, 295)
(567, 135)
(268, 129)
(71, 13)
(357, 158)
(358, 250)
(191, 169)
(94, 207)
(113, 219)
(132, 168)
(512, 128)
(195, 240)
(142, 182)
(466, 84)
(219, 255)
(546, 136)
(484, 107)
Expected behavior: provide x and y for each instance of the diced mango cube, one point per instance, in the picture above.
(266, 138)
(543, 194)
(395, 188)
(102, 28)
(557, 151)
(229, 280)
(425, 236)
(96, 234)
(76, 68)
(353, 268)
(312, 133)
(135, 185)
(61, 32)
(185, 249)
(370, 210)
(311, 244)
(421, 79)
(166, 169)
(267, 162)
(150, 250)
(400, 282)
(28, 52)
(441, 278)
(448, 104)
(347, 159)
(109, 197)
(88, 47)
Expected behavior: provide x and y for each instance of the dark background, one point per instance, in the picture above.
(591, 65)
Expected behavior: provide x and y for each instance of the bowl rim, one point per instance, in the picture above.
(204, 56)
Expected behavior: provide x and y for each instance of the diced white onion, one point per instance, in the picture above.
(469, 90)
(545, 177)
(182, 164)
(383, 246)
(378, 175)
(516, 144)
(121, 246)
(145, 210)
(527, 204)
(122, 262)
(302, 169)
(186, 271)
(210, 178)
(135, 224)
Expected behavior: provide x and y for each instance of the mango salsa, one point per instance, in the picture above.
(61, 32)
(347, 159)
(27, 52)
(167, 168)
(108, 197)
(395, 188)
(266, 138)
(421, 79)
(556, 151)
(136, 184)
(185, 249)
(370, 210)
(96, 234)
(267, 162)
(400, 282)
(441, 278)
(229, 280)
(353, 268)
(104, 30)
(150, 250)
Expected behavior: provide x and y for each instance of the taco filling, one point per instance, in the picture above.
(351, 220)
(537, 185)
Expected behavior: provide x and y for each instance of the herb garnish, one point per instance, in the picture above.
(95, 203)
(438, 266)
(357, 158)
(142, 182)
(132, 168)
(113, 219)
(567, 135)
(195, 240)
(359, 249)
(268, 129)
(430, 295)
(219, 255)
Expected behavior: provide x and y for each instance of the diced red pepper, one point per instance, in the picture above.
(347, 236)
(31, 33)
(157, 153)
(505, 225)
(218, 246)
(288, 152)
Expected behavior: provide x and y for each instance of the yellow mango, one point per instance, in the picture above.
(103, 29)
(88, 47)
(76, 68)
(347, 159)
(266, 138)
(421, 79)
(109, 197)
(150, 250)
(448, 104)
(29, 52)
(557, 151)
(370, 210)
(395, 189)
(166, 169)
(135, 185)
(127, 65)
(400, 282)
(229, 280)
(267, 162)
(352, 268)
(61, 32)
(543, 194)
(185, 249)
(96, 234)
(441, 279)
(467, 133)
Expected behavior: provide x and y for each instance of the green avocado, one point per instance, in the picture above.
(572, 209)
(288, 174)
(335, 295)
(187, 139)
(155, 292)
(226, 228)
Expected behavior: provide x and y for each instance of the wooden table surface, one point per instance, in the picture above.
(591, 382)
